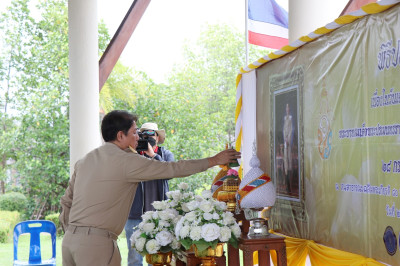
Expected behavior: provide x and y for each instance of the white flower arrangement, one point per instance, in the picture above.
(156, 232)
(185, 219)
(206, 224)
(182, 199)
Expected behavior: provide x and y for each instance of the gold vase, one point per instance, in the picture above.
(208, 256)
(159, 259)
(228, 193)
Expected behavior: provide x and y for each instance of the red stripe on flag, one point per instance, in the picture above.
(267, 41)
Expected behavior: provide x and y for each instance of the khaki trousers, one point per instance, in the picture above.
(86, 246)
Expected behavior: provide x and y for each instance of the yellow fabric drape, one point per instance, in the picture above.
(297, 250)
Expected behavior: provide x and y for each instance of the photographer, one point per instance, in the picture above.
(148, 191)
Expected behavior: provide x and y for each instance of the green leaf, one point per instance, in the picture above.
(202, 245)
(165, 249)
(233, 241)
(186, 243)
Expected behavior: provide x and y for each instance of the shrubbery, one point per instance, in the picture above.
(8, 220)
(54, 218)
(13, 201)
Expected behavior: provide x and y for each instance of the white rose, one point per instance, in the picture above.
(164, 215)
(227, 218)
(236, 230)
(155, 215)
(196, 221)
(192, 205)
(152, 246)
(172, 213)
(164, 238)
(183, 186)
(206, 206)
(176, 219)
(206, 194)
(210, 232)
(220, 205)
(176, 195)
(195, 233)
(135, 235)
(172, 203)
(159, 205)
(215, 216)
(139, 243)
(168, 194)
(178, 226)
(163, 224)
(175, 244)
(190, 216)
(147, 215)
(207, 216)
(185, 207)
(227, 215)
(198, 198)
(148, 227)
(225, 234)
(184, 231)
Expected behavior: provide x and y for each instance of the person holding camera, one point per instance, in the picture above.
(96, 203)
(149, 191)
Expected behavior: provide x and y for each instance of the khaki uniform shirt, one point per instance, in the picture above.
(102, 188)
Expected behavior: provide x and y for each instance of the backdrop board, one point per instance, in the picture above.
(328, 132)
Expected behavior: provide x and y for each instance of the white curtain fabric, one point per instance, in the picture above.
(248, 117)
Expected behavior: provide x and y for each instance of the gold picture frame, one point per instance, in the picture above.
(287, 144)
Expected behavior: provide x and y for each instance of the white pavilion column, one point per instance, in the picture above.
(83, 78)
(306, 16)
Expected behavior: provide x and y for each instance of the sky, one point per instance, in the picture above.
(156, 43)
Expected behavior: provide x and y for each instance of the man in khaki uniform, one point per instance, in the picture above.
(101, 190)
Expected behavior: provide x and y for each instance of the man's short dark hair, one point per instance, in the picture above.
(116, 121)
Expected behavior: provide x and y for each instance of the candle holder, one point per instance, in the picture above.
(259, 218)
(228, 193)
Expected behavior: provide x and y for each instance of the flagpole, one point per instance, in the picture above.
(246, 31)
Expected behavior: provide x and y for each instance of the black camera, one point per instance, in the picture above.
(143, 143)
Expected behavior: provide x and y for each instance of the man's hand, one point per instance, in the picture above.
(150, 151)
(224, 157)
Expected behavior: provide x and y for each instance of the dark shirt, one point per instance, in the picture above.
(150, 191)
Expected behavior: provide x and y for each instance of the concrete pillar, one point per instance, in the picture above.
(83, 78)
(305, 16)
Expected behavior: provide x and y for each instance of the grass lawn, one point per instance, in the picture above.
(7, 249)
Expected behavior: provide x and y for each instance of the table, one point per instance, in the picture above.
(263, 244)
(248, 244)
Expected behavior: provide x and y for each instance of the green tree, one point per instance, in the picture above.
(35, 64)
(14, 48)
(204, 89)
(197, 106)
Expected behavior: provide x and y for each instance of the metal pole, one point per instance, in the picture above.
(246, 31)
